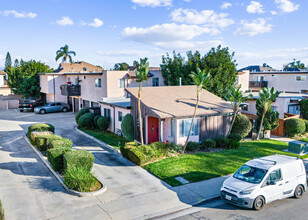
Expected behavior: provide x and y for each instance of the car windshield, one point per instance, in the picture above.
(250, 174)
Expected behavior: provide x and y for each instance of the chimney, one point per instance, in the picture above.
(180, 81)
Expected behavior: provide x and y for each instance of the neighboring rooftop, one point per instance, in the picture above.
(121, 102)
(180, 101)
(258, 68)
(78, 67)
(255, 95)
(2, 72)
(133, 68)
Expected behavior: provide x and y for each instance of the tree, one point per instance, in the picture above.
(236, 97)
(121, 66)
(8, 61)
(266, 97)
(295, 64)
(201, 80)
(141, 75)
(219, 62)
(265, 65)
(65, 53)
(304, 108)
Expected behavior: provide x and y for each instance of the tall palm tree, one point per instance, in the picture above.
(141, 75)
(266, 97)
(201, 79)
(236, 97)
(65, 53)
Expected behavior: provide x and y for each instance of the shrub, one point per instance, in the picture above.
(175, 147)
(242, 126)
(1, 212)
(221, 142)
(80, 179)
(80, 113)
(80, 158)
(127, 127)
(233, 144)
(208, 144)
(35, 134)
(95, 120)
(103, 123)
(43, 142)
(87, 121)
(295, 126)
(127, 147)
(55, 157)
(61, 143)
(41, 127)
(306, 125)
(304, 108)
(235, 137)
(192, 146)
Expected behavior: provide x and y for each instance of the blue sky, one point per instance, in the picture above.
(104, 32)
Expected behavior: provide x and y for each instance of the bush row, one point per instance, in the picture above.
(76, 165)
(88, 120)
(296, 126)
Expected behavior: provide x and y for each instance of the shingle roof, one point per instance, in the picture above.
(258, 68)
(78, 67)
(2, 72)
(180, 101)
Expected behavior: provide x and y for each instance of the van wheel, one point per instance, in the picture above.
(258, 203)
(299, 190)
(42, 111)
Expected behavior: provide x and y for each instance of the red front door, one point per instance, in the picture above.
(153, 129)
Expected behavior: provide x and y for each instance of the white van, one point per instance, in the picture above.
(263, 180)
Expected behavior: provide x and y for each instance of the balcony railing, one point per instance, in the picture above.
(258, 84)
(70, 90)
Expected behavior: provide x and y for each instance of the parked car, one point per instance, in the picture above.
(29, 104)
(52, 107)
(264, 180)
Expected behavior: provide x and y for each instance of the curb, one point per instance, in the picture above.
(59, 178)
(98, 141)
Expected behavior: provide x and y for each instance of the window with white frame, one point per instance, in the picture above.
(107, 112)
(121, 83)
(300, 78)
(184, 126)
(98, 82)
(120, 116)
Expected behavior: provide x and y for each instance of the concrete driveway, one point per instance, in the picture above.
(29, 191)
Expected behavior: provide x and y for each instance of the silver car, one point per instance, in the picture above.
(52, 107)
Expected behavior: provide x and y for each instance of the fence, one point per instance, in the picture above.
(280, 131)
(9, 101)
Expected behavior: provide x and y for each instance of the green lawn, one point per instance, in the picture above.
(304, 139)
(201, 166)
(107, 137)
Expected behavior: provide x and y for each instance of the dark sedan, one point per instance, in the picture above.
(52, 107)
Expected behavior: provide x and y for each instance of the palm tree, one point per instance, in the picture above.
(201, 79)
(141, 75)
(266, 97)
(236, 97)
(65, 53)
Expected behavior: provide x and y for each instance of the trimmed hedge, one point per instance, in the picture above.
(306, 123)
(35, 134)
(175, 147)
(295, 126)
(55, 157)
(127, 127)
(103, 123)
(192, 146)
(80, 113)
(235, 137)
(76, 158)
(61, 143)
(80, 179)
(1, 212)
(242, 126)
(43, 142)
(41, 127)
(233, 144)
(87, 121)
(143, 154)
(208, 144)
(95, 120)
(221, 142)
(304, 108)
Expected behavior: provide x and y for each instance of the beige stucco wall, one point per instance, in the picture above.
(243, 80)
(149, 82)
(53, 93)
(5, 91)
(283, 82)
(113, 77)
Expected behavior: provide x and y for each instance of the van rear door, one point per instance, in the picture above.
(290, 172)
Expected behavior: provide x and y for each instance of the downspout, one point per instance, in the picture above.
(54, 88)
(114, 119)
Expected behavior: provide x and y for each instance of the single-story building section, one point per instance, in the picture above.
(115, 109)
(167, 114)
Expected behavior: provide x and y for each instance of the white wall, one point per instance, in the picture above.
(1, 80)
(243, 80)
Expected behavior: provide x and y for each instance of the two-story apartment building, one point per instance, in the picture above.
(4, 89)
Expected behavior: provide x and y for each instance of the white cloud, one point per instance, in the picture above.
(273, 12)
(205, 17)
(189, 45)
(167, 32)
(255, 7)
(226, 5)
(96, 23)
(286, 6)
(257, 26)
(65, 21)
(152, 3)
(19, 14)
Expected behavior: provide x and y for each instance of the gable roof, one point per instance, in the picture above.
(258, 68)
(2, 72)
(180, 101)
(78, 67)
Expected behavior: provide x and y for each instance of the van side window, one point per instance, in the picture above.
(274, 177)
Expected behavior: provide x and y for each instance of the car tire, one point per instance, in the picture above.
(258, 203)
(21, 110)
(299, 190)
(42, 111)
(64, 109)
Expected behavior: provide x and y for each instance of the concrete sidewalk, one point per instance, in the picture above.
(283, 139)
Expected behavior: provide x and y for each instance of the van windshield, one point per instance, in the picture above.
(250, 174)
